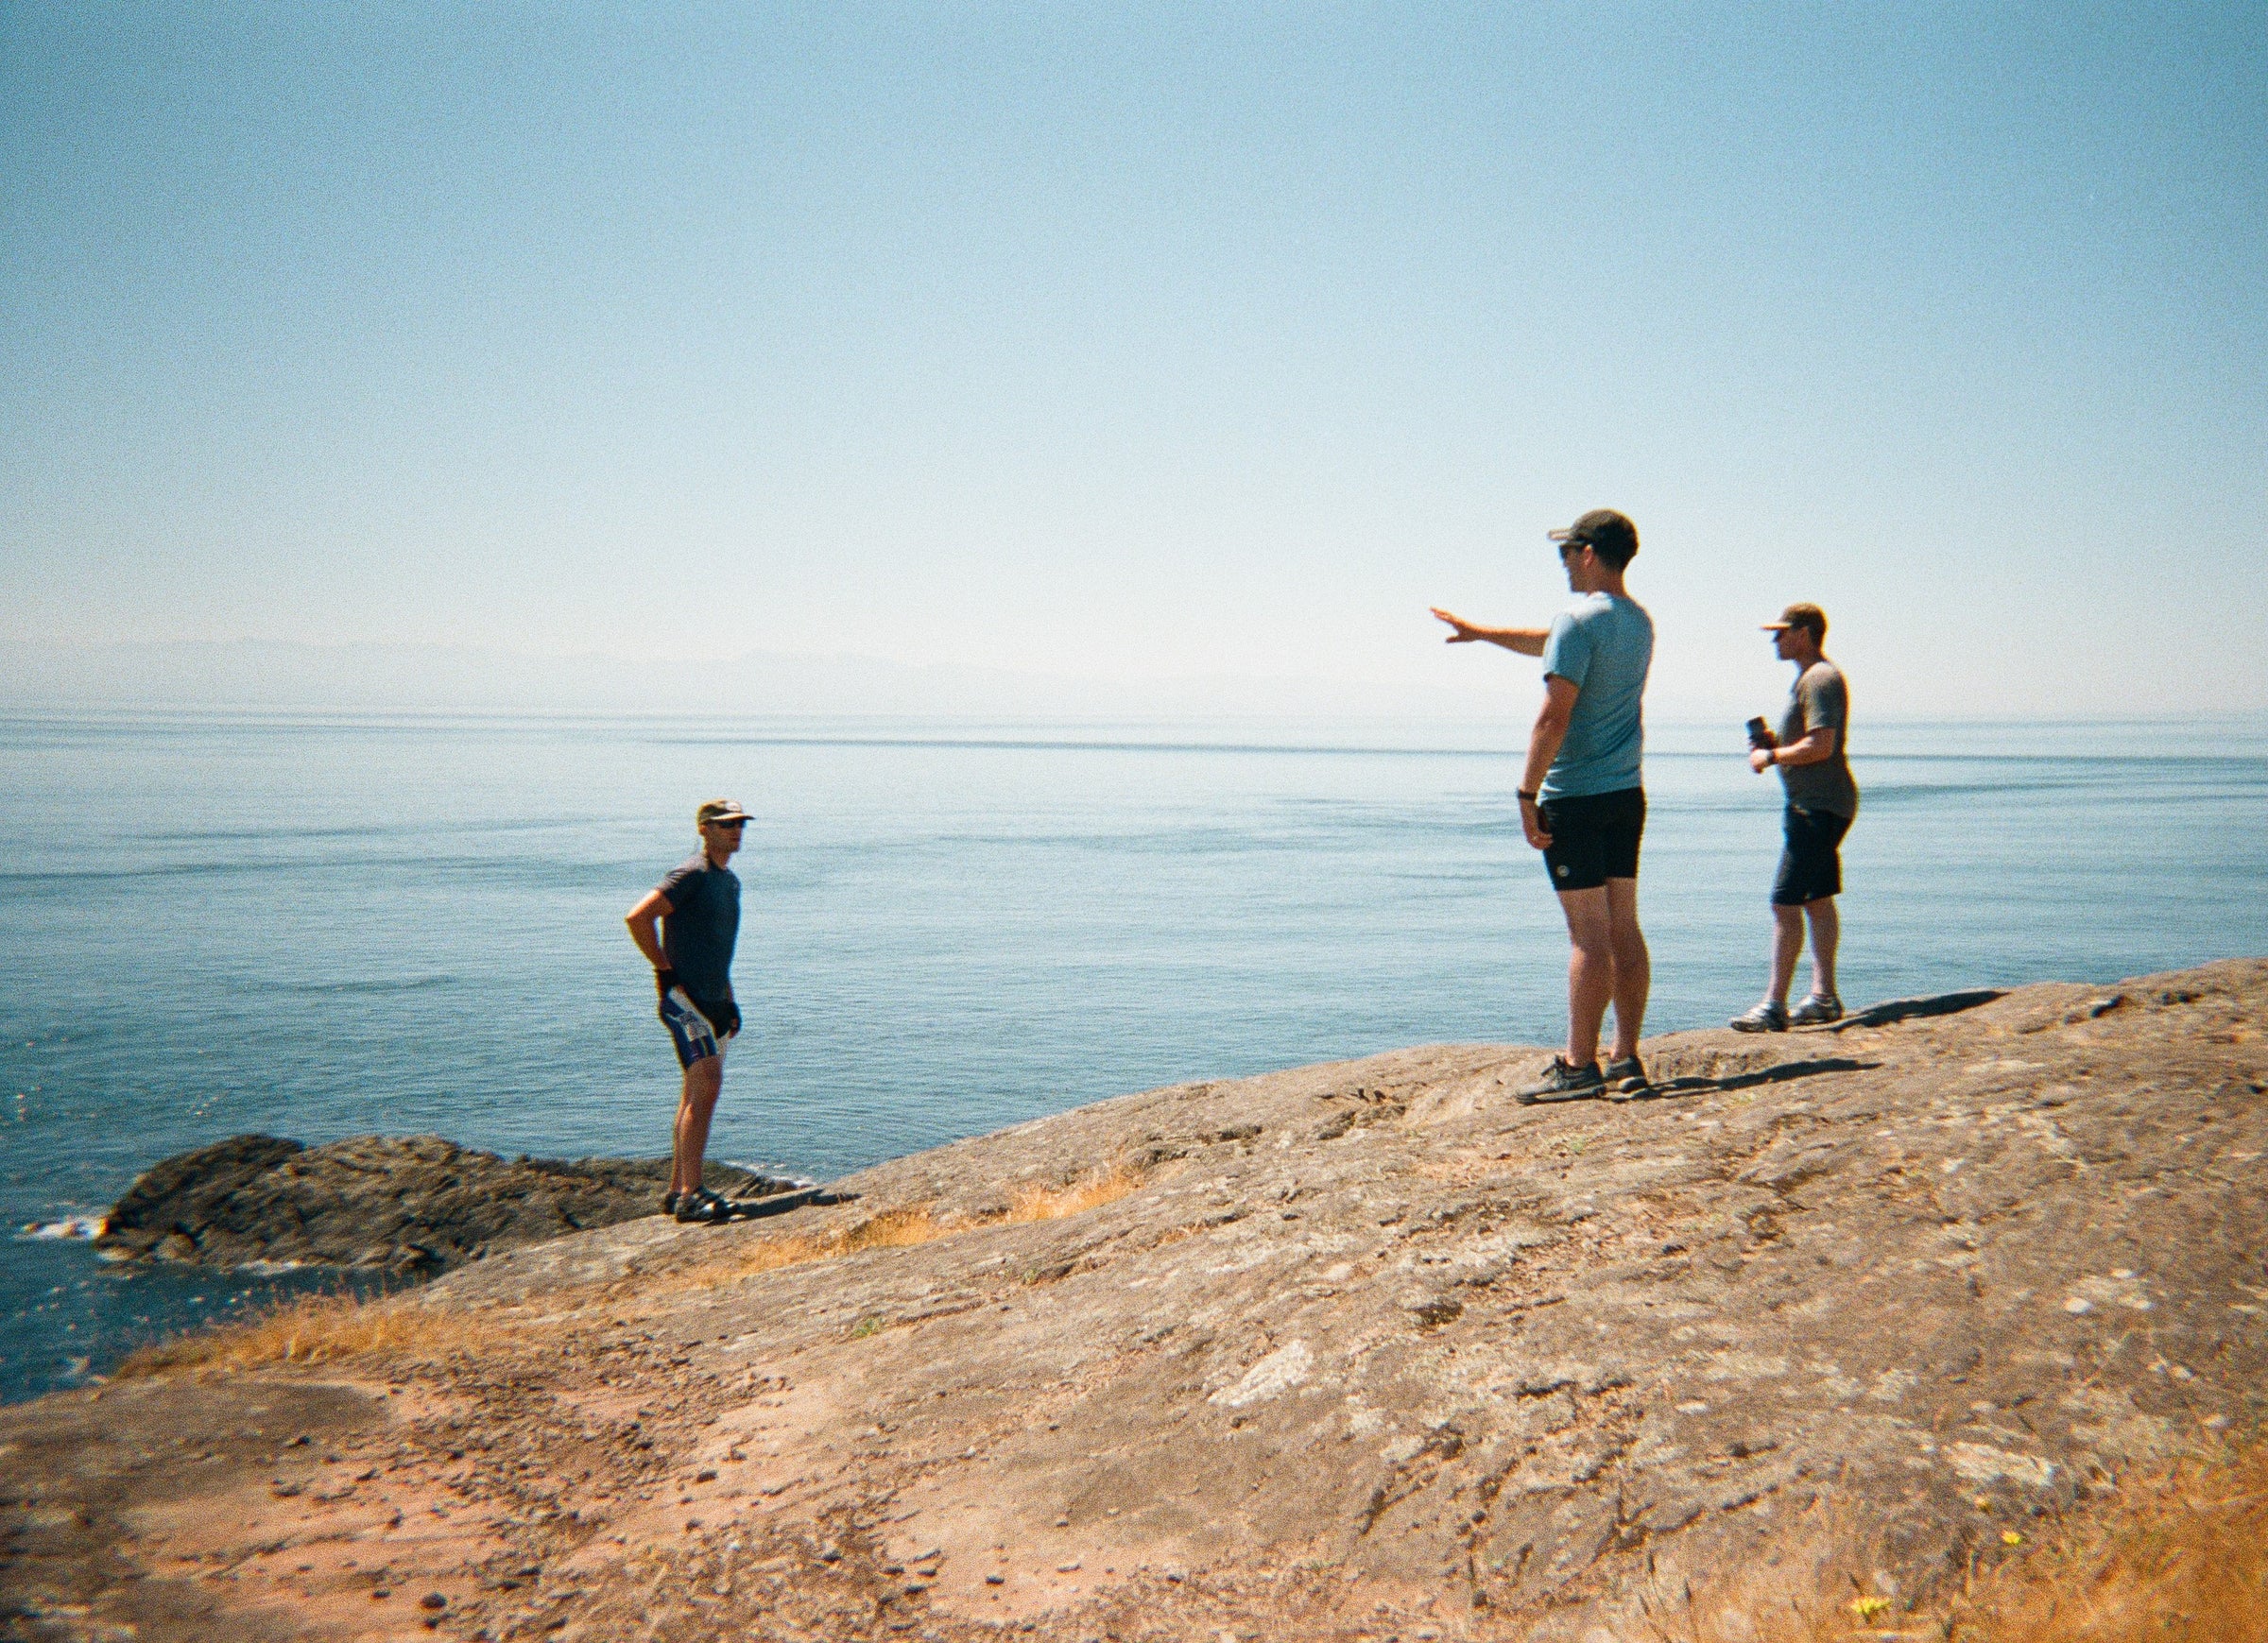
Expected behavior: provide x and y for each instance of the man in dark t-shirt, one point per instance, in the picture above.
(686, 926)
(1811, 753)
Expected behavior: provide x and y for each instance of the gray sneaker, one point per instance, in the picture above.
(1816, 1011)
(1768, 1016)
(1564, 1083)
(1624, 1078)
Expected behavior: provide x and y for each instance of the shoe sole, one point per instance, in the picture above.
(1549, 1097)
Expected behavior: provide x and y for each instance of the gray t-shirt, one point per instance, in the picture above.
(1820, 698)
(700, 927)
(1602, 644)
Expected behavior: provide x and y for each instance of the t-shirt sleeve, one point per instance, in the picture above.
(1567, 650)
(1825, 704)
(682, 886)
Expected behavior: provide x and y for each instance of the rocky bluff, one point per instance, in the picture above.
(415, 1205)
(1355, 1351)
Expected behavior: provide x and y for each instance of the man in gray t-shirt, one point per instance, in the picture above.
(1811, 750)
(686, 927)
(1583, 797)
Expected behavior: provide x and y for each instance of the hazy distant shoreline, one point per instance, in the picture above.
(256, 673)
(835, 695)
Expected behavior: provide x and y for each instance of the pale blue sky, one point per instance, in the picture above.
(1145, 341)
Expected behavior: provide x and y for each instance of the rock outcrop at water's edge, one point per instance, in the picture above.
(1363, 1350)
(413, 1205)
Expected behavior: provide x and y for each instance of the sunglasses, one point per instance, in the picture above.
(729, 826)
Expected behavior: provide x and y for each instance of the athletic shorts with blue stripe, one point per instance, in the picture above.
(690, 1027)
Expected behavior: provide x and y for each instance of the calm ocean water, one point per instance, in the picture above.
(325, 926)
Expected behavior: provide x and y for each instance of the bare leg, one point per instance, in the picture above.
(1633, 966)
(1787, 944)
(1827, 929)
(1590, 970)
(703, 1080)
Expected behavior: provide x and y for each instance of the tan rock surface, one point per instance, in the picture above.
(1365, 1350)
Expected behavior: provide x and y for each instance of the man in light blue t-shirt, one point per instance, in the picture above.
(1582, 798)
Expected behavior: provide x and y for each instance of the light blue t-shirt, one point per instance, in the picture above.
(1602, 644)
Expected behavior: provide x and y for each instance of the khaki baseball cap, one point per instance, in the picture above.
(1807, 616)
(719, 809)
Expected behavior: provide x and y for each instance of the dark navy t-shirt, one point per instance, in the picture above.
(702, 923)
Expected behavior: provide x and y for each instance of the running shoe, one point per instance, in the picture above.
(1624, 1078)
(1564, 1083)
(1816, 1011)
(1768, 1017)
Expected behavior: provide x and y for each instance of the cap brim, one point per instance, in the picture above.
(740, 815)
(1777, 627)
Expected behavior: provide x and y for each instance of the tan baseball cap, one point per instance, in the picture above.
(1807, 616)
(719, 809)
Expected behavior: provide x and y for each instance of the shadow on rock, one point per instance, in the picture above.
(1895, 1010)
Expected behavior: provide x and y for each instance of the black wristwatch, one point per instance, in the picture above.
(1524, 792)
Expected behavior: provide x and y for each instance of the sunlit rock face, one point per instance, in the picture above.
(1357, 1349)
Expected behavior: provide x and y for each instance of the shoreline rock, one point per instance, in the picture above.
(414, 1205)
(1346, 1350)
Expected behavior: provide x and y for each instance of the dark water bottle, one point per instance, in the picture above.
(1757, 735)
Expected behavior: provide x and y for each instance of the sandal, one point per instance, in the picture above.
(701, 1206)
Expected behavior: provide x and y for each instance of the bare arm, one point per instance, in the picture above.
(1815, 748)
(1544, 746)
(646, 927)
(1526, 640)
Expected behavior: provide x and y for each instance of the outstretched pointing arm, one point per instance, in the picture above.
(1526, 640)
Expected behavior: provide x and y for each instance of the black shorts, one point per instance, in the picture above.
(1811, 863)
(1594, 837)
(691, 1024)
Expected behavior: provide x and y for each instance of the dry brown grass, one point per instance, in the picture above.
(325, 1330)
(2177, 1557)
(920, 1223)
(330, 1329)
(886, 1229)
(1072, 1197)
(2182, 1556)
